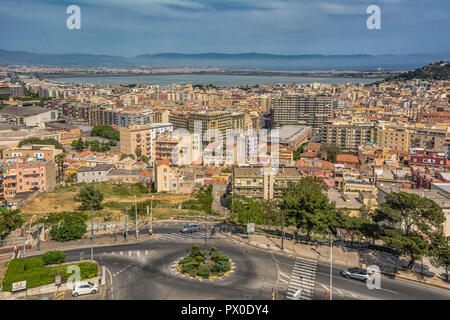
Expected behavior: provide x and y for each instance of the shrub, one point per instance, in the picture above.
(53, 257)
(213, 249)
(186, 260)
(33, 263)
(203, 272)
(227, 266)
(33, 271)
(71, 228)
(199, 258)
(218, 256)
(190, 268)
(216, 268)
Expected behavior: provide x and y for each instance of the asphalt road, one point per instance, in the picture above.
(147, 270)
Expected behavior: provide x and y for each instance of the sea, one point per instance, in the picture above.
(216, 80)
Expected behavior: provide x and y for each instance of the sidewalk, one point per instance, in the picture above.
(342, 256)
(49, 289)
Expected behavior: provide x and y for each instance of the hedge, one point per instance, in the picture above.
(203, 272)
(33, 271)
(53, 257)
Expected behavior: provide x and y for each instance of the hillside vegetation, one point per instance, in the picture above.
(433, 71)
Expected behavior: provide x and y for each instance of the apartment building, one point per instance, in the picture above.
(142, 137)
(23, 175)
(47, 152)
(313, 110)
(179, 120)
(94, 174)
(431, 139)
(393, 136)
(256, 182)
(348, 137)
(426, 158)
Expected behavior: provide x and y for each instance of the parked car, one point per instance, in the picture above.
(84, 287)
(191, 227)
(355, 273)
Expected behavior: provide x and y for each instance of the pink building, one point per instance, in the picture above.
(22, 175)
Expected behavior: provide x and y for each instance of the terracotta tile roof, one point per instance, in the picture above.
(163, 162)
(347, 158)
(83, 154)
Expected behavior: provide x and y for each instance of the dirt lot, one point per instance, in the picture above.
(64, 201)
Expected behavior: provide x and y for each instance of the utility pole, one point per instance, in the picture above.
(126, 224)
(135, 210)
(24, 245)
(282, 229)
(331, 266)
(38, 244)
(151, 215)
(92, 235)
(206, 215)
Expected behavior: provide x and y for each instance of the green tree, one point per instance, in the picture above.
(106, 132)
(94, 145)
(308, 208)
(78, 145)
(204, 198)
(71, 228)
(90, 198)
(10, 220)
(59, 160)
(410, 224)
(331, 150)
(138, 153)
(271, 212)
(72, 177)
(356, 226)
(245, 210)
(48, 141)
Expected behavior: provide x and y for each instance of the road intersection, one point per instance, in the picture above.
(147, 270)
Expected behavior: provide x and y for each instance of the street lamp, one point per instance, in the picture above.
(92, 235)
(38, 243)
(126, 224)
(282, 229)
(331, 265)
(31, 221)
(24, 227)
(135, 210)
(151, 215)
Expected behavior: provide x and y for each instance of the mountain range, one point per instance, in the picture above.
(250, 61)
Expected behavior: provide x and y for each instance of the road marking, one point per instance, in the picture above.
(302, 278)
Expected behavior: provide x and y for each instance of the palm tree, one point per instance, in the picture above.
(59, 160)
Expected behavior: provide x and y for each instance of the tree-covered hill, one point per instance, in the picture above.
(433, 71)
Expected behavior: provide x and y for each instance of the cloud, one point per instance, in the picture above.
(128, 27)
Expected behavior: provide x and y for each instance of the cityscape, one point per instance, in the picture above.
(297, 177)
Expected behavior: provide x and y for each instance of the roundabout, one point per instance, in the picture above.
(202, 264)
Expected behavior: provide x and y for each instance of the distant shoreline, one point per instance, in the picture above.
(324, 74)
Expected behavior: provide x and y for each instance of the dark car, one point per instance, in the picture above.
(191, 227)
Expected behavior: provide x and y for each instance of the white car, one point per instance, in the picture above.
(84, 287)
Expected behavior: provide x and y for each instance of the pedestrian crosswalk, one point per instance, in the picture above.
(181, 236)
(130, 253)
(302, 281)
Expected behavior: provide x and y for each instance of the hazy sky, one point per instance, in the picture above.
(132, 27)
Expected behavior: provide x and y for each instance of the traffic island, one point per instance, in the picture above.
(201, 264)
